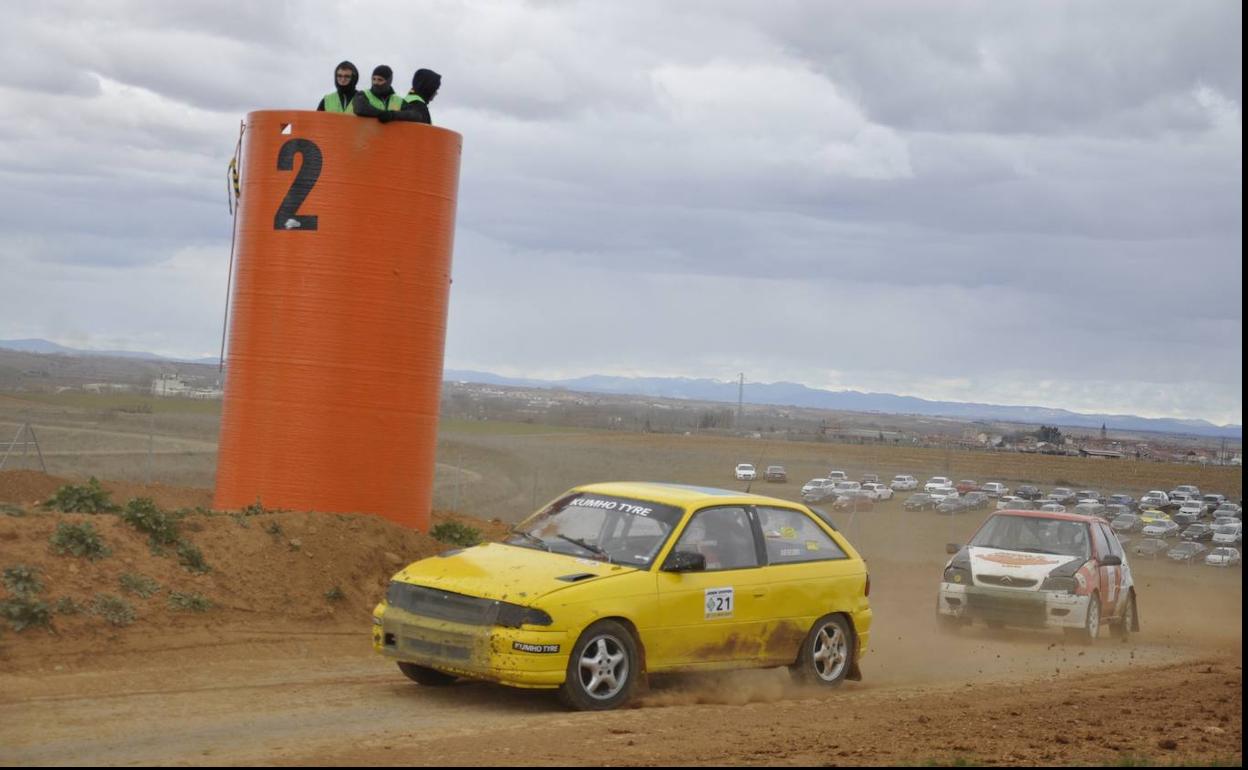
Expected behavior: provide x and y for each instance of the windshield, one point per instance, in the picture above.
(1034, 535)
(602, 527)
(1226, 529)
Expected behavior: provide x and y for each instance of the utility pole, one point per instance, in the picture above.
(740, 398)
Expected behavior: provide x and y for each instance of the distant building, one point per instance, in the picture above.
(171, 385)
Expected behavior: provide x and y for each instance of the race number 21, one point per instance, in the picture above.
(719, 602)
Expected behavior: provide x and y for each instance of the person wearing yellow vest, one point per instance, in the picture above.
(425, 85)
(380, 101)
(345, 78)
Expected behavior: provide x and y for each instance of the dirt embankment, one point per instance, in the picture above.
(324, 570)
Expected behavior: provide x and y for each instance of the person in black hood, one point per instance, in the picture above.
(346, 76)
(380, 101)
(425, 85)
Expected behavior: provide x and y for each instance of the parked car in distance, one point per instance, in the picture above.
(1121, 499)
(1114, 510)
(1088, 494)
(846, 487)
(746, 472)
(1150, 547)
(1151, 515)
(854, 500)
(996, 489)
(1052, 507)
(942, 493)
(966, 485)
(1189, 512)
(953, 505)
(1091, 509)
(816, 489)
(775, 473)
(1160, 528)
(976, 500)
(1223, 557)
(1228, 509)
(1008, 502)
(1126, 522)
(1228, 534)
(869, 478)
(1200, 533)
(1188, 489)
(1186, 552)
(920, 502)
(1029, 492)
(877, 491)
(1154, 499)
(904, 483)
(835, 476)
(1212, 501)
(936, 481)
(1061, 495)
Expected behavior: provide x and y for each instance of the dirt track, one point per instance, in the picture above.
(273, 676)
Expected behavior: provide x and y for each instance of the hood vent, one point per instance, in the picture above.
(576, 577)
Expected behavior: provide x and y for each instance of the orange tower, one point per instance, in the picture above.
(338, 315)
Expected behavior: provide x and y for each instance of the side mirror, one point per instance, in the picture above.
(685, 561)
(952, 548)
(1111, 561)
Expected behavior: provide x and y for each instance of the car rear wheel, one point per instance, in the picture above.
(826, 654)
(429, 677)
(602, 670)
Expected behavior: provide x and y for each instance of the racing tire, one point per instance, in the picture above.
(603, 668)
(429, 677)
(1130, 621)
(827, 653)
(1091, 622)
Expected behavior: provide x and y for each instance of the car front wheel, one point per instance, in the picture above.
(827, 653)
(1130, 620)
(602, 670)
(1091, 622)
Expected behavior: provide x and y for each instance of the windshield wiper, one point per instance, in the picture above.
(532, 538)
(587, 546)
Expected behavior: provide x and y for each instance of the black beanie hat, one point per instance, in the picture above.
(383, 71)
(425, 83)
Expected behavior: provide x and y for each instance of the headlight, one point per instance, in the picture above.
(1065, 584)
(956, 574)
(514, 616)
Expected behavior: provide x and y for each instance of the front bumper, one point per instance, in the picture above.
(519, 657)
(1013, 607)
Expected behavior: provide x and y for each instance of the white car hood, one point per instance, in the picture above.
(1016, 564)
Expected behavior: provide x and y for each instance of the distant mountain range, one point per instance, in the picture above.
(774, 393)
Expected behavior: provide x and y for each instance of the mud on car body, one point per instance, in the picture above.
(612, 582)
(1040, 570)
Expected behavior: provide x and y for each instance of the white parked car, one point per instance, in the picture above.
(1223, 557)
(936, 481)
(995, 489)
(878, 491)
(816, 489)
(1230, 533)
(835, 476)
(1008, 501)
(1053, 508)
(746, 472)
(1155, 499)
(847, 487)
(1161, 528)
(904, 483)
(941, 494)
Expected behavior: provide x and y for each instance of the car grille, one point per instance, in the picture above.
(1009, 610)
(445, 646)
(1006, 581)
(442, 605)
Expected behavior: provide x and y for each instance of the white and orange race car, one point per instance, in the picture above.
(1040, 570)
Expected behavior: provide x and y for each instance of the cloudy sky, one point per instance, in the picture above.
(1017, 203)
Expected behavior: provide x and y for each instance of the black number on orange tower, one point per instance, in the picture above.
(288, 216)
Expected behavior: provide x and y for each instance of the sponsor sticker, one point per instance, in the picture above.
(719, 603)
(540, 649)
(812, 545)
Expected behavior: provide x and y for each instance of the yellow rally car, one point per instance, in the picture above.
(612, 582)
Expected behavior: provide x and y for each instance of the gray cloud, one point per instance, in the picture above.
(1031, 202)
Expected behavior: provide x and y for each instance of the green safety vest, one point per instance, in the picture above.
(413, 98)
(333, 104)
(393, 103)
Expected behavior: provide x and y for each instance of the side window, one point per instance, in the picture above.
(723, 535)
(1115, 547)
(1102, 545)
(793, 537)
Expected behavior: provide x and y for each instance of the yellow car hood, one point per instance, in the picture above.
(506, 572)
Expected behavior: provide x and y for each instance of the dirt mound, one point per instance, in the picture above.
(264, 571)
